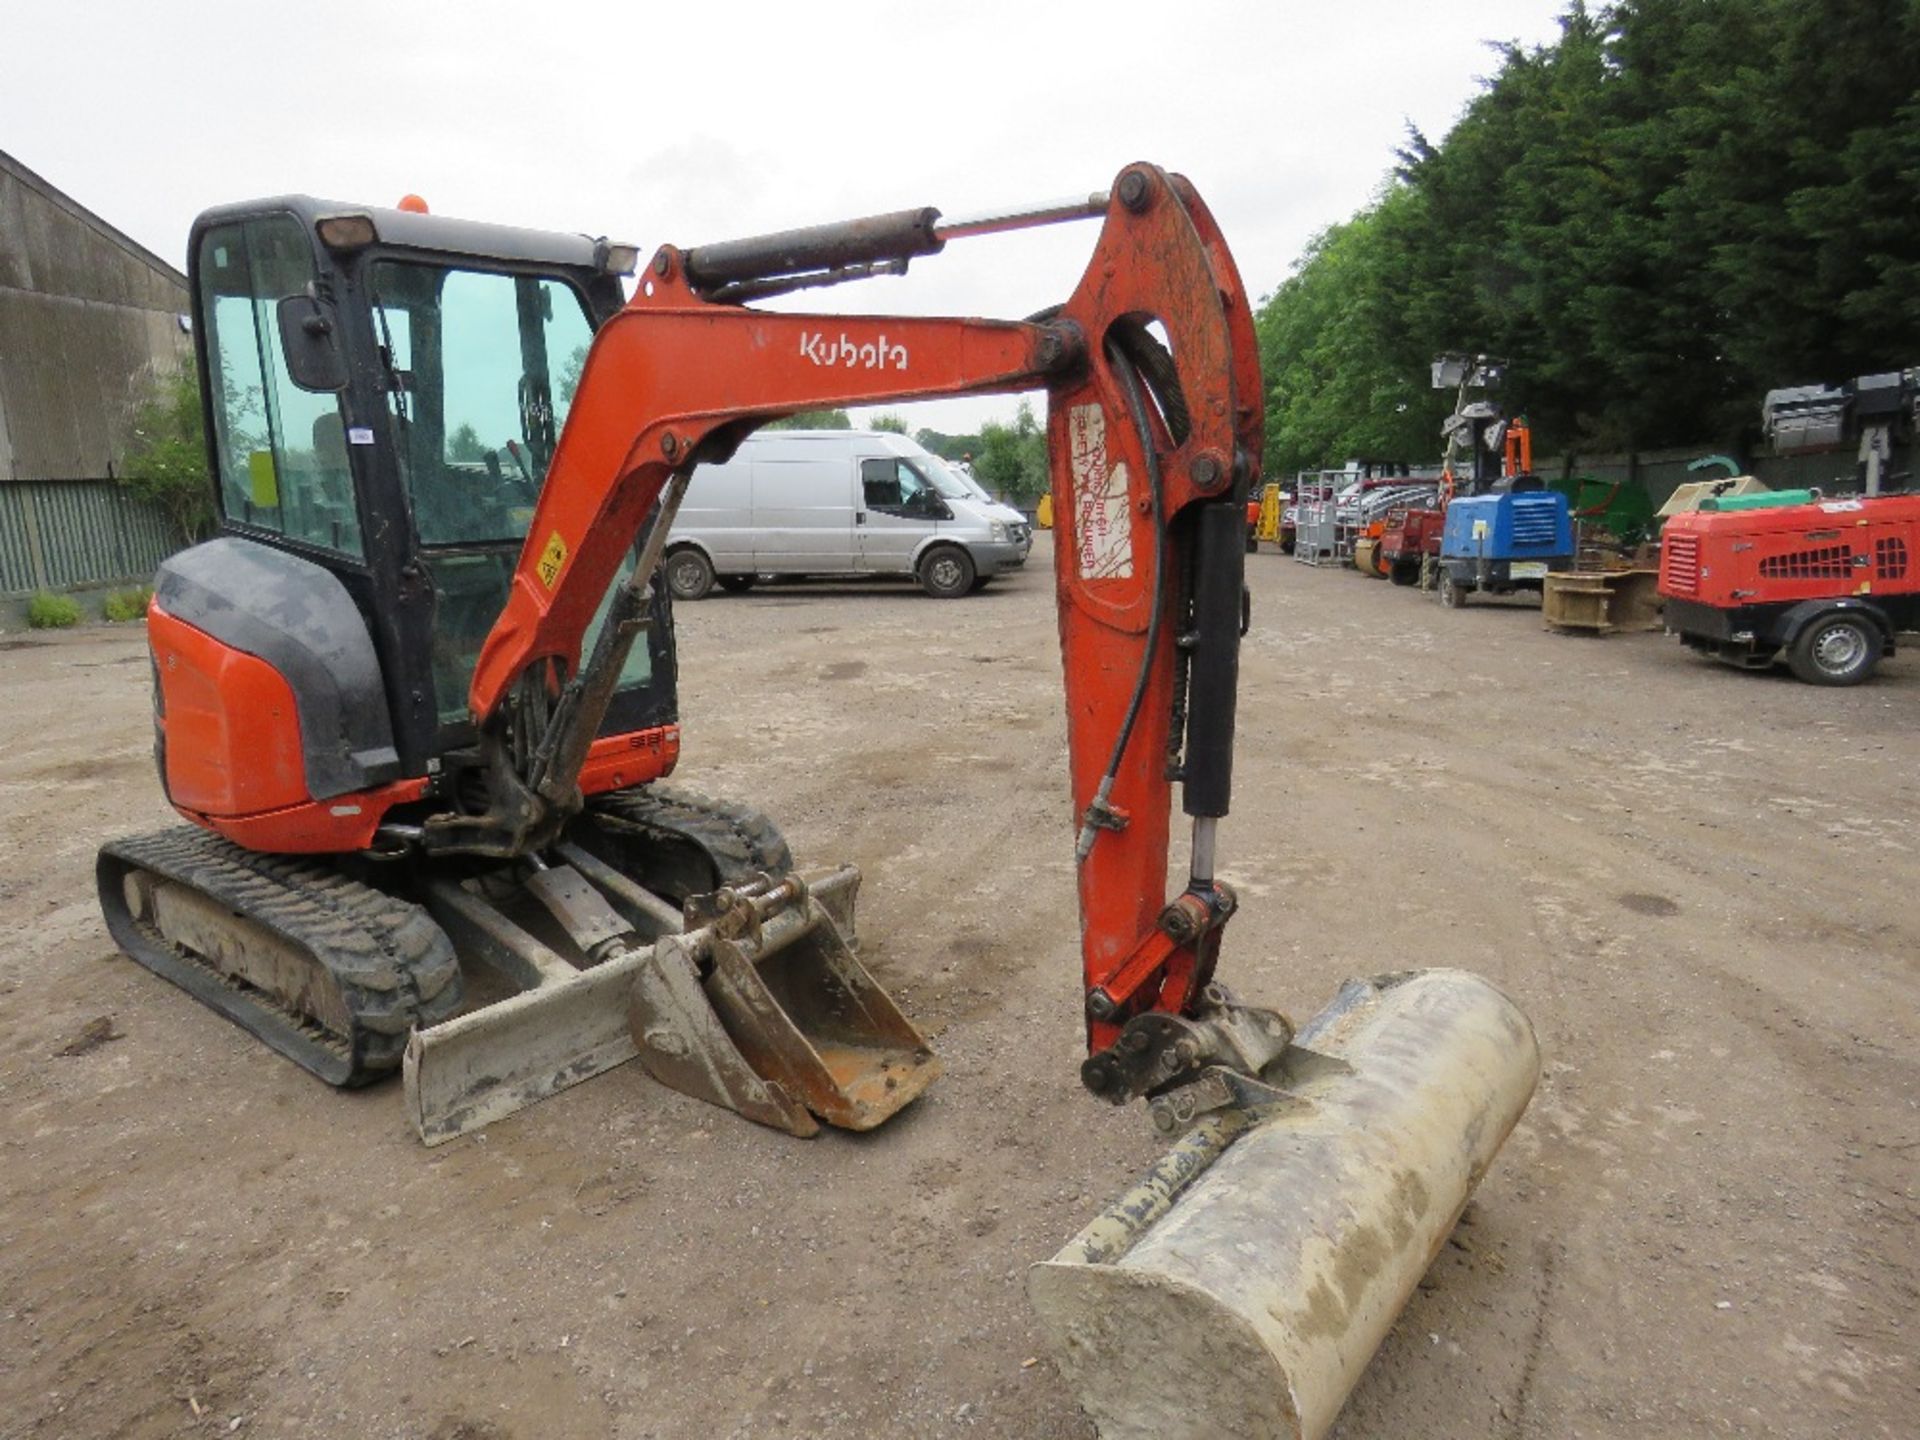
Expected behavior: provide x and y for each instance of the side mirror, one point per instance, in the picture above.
(308, 341)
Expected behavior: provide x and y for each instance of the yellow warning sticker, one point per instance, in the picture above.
(264, 482)
(551, 559)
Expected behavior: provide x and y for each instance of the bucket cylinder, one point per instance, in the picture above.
(1238, 1291)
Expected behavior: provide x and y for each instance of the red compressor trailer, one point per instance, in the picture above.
(1412, 535)
(1830, 583)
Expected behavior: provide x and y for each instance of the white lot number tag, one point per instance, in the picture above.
(1102, 528)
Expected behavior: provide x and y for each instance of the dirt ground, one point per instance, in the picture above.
(1700, 884)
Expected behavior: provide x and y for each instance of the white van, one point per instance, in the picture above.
(836, 502)
(996, 510)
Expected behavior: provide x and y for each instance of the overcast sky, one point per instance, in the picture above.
(696, 122)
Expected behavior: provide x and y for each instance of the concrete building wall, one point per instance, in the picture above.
(88, 320)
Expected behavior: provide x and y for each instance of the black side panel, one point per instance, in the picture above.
(298, 617)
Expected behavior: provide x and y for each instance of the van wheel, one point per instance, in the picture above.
(737, 584)
(946, 573)
(689, 574)
(1837, 650)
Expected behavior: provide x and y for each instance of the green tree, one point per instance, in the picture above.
(166, 456)
(1012, 459)
(1672, 208)
(891, 423)
(1343, 381)
(570, 373)
(948, 447)
(813, 420)
(465, 443)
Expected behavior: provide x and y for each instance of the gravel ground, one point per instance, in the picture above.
(1700, 884)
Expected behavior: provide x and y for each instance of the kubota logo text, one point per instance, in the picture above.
(874, 355)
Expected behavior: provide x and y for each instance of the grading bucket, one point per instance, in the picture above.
(1238, 1291)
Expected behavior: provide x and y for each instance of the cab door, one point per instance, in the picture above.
(899, 510)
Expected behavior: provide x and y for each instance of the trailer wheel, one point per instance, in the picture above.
(1837, 650)
(1452, 595)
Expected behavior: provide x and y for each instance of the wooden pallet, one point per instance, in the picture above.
(1601, 601)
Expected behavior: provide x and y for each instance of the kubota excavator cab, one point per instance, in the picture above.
(383, 390)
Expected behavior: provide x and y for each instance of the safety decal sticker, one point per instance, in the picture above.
(1102, 528)
(551, 559)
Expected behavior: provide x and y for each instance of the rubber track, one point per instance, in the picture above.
(739, 841)
(393, 965)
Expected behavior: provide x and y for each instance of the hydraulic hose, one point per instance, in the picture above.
(1098, 813)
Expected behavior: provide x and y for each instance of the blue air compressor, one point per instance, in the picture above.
(1504, 542)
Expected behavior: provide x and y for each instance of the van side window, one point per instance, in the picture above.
(894, 485)
(881, 480)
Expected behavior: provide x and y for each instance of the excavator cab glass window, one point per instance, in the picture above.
(281, 450)
(480, 368)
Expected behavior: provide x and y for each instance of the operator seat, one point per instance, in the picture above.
(331, 491)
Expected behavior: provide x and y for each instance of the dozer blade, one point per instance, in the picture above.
(490, 1063)
(1238, 1291)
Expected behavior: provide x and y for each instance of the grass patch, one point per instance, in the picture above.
(47, 611)
(123, 605)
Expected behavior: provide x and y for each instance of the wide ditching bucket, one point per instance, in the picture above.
(1238, 1291)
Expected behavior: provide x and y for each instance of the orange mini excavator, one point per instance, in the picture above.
(417, 698)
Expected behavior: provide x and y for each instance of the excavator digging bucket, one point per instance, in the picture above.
(1241, 1287)
(787, 1026)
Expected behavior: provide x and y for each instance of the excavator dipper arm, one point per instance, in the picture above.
(1153, 449)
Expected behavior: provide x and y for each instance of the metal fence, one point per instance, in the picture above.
(62, 534)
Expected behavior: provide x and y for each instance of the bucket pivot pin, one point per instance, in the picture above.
(1204, 1061)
